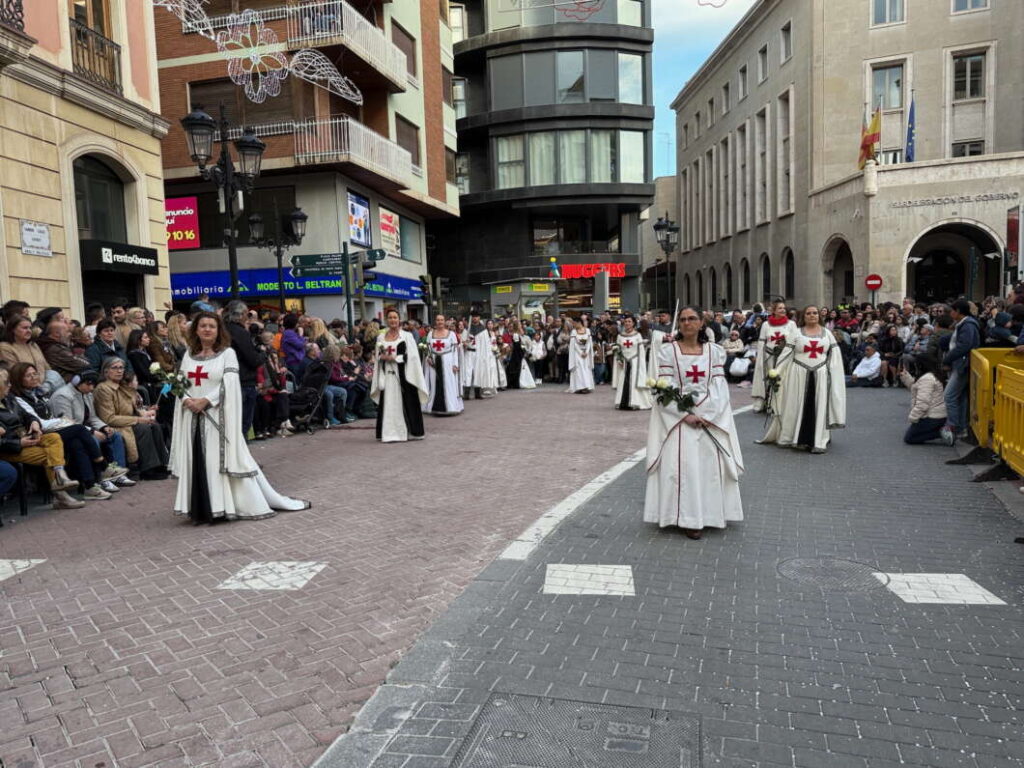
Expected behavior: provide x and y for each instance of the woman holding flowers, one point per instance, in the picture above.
(773, 345)
(217, 476)
(398, 386)
(629, 369)
(693, 454)
(441, 370)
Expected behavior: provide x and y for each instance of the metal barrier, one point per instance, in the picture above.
(983, 387)
(1008, 431)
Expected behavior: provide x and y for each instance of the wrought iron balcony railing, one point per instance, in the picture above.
(12, 14)
(95, 57)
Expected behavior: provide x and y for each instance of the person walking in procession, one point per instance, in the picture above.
(398, 387)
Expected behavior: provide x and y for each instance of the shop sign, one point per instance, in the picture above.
(35, 238)
(987, 197)
(570, 271)
(182, 217)
(540, 287)
(503, 289)
(390, 232)
(186, 286)
(106, 256)
(359, 219)
(1013, 242)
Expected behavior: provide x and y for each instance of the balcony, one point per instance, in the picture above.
(14, 43)
(370, 157)
(95, 58)
(12, 14)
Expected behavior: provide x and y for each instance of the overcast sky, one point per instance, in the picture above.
(685, 34)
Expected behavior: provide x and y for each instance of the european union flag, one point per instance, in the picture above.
(911, 148)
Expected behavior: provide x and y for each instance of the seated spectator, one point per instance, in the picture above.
(55, 342)
(177, 325)
(868, 372)
(335, 394)
(8, 477)
(18, 346)
(117, 404)
(293, 347)
(734, 348)
(160, 349)
(1000, 333)
(351, 380)
(140, 360)
(927, 405)
(314, 372)
(891, 350)
(22, 440)
(272, 404)
(105, 346)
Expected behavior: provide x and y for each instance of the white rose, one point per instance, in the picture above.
(154, 367)
(661, 384)
(651, 384)
(773, 373)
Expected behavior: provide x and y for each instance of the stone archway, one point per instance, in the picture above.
(954, 259)
(838, 270)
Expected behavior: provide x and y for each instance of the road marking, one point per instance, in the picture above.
(938, 588)
(280, 574)
(528, 540)
(567, 579)
(744, 409)
(10, 568)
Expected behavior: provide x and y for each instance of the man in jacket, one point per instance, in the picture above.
(966, 337)
(236, 314)
(54, 342)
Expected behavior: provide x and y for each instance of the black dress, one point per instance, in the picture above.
(410, 399)
(514, 369)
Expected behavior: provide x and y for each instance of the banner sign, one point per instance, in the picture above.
(1013, 242)
(182, 216)
(390, 231)
(106, 256)
(570, 271)
(187, 286)
(359, 220)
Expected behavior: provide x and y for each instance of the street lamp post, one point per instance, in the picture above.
(288, 231)
(231, 181)
(667, 232)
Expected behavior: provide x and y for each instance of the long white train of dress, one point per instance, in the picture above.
(468, 341)
(768, 341)
(443, 354)
(236, 484)
(485, 368)
(692, 480)
(635, 354)
(581, 362)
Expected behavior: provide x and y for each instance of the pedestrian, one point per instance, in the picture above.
(629, 369)
(236, 313)
(966, 337)
(398, 387)
(580, 360)
(441, 371)
(773, 340)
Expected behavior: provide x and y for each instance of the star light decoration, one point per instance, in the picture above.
(712, 3)
(256, 59)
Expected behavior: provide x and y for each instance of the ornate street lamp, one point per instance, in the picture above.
(288, 231)
(667, 232)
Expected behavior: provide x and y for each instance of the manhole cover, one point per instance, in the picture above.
(831, 573)
(533, 732)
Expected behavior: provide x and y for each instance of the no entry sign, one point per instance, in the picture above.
(873, 282)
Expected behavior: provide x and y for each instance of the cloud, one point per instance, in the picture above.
(673, 18)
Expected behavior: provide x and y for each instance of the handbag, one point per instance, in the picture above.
(740, 367)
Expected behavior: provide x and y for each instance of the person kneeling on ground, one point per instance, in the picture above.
(868, 370)
(928, 405)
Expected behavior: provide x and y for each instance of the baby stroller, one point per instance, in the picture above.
(305, 406)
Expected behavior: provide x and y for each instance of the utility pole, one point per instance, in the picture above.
(348, 288)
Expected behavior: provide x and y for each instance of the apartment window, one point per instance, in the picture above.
(633, 166)
(569, 77)
(686, 135)
(886, 11)
(631, 78)
(698, 205)
(725, 193)
(711, 112)
(762, 64)
(543, 158)
(696, 125)
(713, 280)
(726, 105)
(766, 277)
(785, 156)
(743, 82)
(572, 157)
(93, 14)
(602, 156)
(457, 22)
(789, 273)
(968, 5)
(447, 87)
(631, 13)
(459, 96)
(761, 166)
(442, 10)
(511, 164)
(408, 137)
(786, 42)
(745, 282)
(462, 173)
(239, 110)
(742, 179)
(887, 87)
(969, 77)
(450, 172)
(407, 44)
(710, 203)
(968, 148)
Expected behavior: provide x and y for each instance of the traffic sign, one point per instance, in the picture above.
(318, 270)
(873, 282)
(377, 254)
(335, 261)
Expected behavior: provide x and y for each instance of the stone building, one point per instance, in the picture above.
(81, 181)
(768, 139)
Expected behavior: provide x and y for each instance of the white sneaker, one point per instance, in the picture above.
(124, 482)
(64, 500)
(95, 493)
(113, 472)
(108, 486)
(947, 436)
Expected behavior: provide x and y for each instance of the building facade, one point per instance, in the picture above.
(81, 187)
(554, 110)
(369, 176)
(768, 139)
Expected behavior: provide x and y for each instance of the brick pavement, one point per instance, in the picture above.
(120, 650)
(829, 666)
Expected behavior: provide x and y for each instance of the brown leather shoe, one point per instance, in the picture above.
(692, 533)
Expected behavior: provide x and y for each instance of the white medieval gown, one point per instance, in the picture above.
(398, 389)
(630, 377)
(658, 338)
(771, 343)
(581, 362)
(212, 443)
(485, 368)
(444, 390)
(468, 358)
(693, 474)
(502, 373)
(812, 395)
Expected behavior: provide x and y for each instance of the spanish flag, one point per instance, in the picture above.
(870, 136)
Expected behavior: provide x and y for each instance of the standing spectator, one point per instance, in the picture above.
(891, 349)
(160, 346)
(966, 337)
(93, 314)
(123, 326)
(177, 326)
(249, 358)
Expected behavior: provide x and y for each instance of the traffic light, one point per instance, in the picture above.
(367, 276)
(425, 288)
(442, 284)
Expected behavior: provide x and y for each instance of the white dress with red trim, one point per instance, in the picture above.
(441, 373)
(812, 397)
(629, 374)
(693, 473)
(468, 358)
(581, 362)
(772, 345)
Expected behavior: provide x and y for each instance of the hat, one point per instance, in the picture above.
(202, 306)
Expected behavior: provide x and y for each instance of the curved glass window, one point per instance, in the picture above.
(502, 14)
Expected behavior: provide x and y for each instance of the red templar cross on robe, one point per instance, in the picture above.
(198, 375)
(695, 374)
(814, 349)
(627, 343)
(777, 338)
(389, 350)
(438, 345)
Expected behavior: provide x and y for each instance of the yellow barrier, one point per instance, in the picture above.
(1008, 431)
(983, 387)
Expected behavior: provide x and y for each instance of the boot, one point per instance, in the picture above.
(61, 481)
(62, 500)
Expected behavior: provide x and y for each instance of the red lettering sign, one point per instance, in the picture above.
(578, 271)
(182, 216)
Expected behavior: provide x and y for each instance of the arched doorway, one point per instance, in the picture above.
(766, 277)
(953, 260)
(837, 265)
(714, 288)
(727, 279)
(700, 289)
(745, 283)
(788, 274)
(686, 289)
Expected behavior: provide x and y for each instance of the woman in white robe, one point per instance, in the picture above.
(581, 360)
(812, 395)
(468, 340)
(398, 387)
(217, 476)
(441, 371)
(485, 367)
(694, 461)
(629, 369)
(774, 340)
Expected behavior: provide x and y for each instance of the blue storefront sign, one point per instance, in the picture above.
(189, 286)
